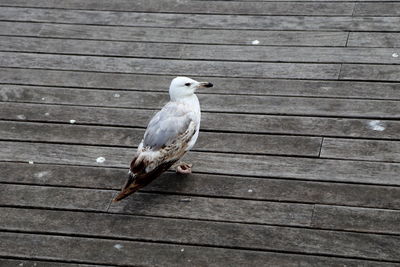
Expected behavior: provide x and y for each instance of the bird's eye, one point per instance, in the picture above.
(187, 84)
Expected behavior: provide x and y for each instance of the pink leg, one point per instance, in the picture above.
(183, 168)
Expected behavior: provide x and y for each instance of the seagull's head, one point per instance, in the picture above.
(182, 87)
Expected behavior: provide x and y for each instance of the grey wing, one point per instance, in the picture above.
(171, 121)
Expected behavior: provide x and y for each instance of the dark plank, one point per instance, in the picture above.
(361, 149)
(194, 7)
(201, 36)
(260, 166)
(323, 23)
(370, 72)
(375, 39)
(207, 185)
(170, 67)
(380, 129)
(357, 219)
(218, 234)
(53, 197)
(216, 209)
(37, 263)
(117, 136)
(196, 52)
(215, 103)
(377, 9)
(338, 89)
(103, 251)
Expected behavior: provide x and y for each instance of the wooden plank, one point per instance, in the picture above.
(300, 0)
(120, 18)
(201, 36)
(218, 234)
(377, 9)
(337, 89)
(207, 185)
(213, 103)
(374, 39)
(261, 166)
(34, 263)
(197, 52)
(194, 7)
(128, 137)
(101, 251)
(53, 197)
(370, 72)
(170, 67)
(215, 209)
(361, 149)
(357, 219)
(380, 129)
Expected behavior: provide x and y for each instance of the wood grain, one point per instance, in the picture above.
(361, 149)
(169, 67)
(246, 165)
(196, 52)
(370, 72)
(128, 137)
(137, 82)
(102, 251)
(374, 39)
(323, 23)
(357, 219)
(243, 123)
(174, 35)
(195, 7)
(213, 103)
(207, 185)
(218, 234)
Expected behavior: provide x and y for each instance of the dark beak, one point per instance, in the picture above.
(205, 84)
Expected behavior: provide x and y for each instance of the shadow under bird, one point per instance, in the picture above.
(169, 135)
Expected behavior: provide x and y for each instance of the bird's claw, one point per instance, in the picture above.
(183, 168)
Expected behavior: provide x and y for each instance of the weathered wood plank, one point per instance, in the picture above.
(223, 85)
(117, 136)
(38, 263)
(370, 72)
(338, 89)
(357, 219)
(196, 52)
(374, 39)
(201, 21)
(361, 149)
(218, 163)
(377, 9)
(214, 103)
(170, 67)
(53, 197)
(207, 185)
(201, 36)
(218, 234)
(216, 209)
(103, 251)
(194, 7)
(380, 129)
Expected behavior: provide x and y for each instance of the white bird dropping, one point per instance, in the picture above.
(255, 42)
(30, 162)
(100, 159)
(72, 121)
(377, 125)
(395, 55)
(118, 246)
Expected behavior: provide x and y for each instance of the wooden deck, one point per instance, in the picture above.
(298, 159)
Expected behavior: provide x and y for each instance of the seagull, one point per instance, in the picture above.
(169, 135)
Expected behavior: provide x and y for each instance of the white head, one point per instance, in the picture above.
(182, 87)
